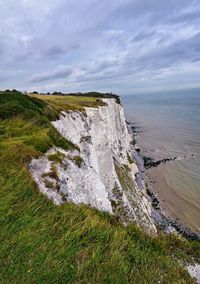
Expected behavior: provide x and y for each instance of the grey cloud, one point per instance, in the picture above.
(97, 42)
(53, 51)
(56, 50)
(143, 35)
(58, 73)
(181, 51)
(98, 66)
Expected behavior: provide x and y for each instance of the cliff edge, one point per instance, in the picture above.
(100, 171)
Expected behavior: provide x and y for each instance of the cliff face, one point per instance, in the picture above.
(101, 173)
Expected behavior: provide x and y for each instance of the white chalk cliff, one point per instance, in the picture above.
(102, 173)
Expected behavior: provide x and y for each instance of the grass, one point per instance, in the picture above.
(49, 184)
(124, 178)
(44, 243)
(52, 174)
(130, 160)
(56, 157)
(77, 160)
(69, 102)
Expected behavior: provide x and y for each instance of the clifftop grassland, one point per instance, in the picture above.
(45, 243)
(69, 102)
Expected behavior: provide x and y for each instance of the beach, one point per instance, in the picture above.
(168, 127)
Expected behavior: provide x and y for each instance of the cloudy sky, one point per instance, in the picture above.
(123, 46)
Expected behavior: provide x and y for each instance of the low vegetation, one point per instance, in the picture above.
(86, 95)
(123, 175)
(49, 184)
(53, 173)
(77, 160)
(130, 160)
(45, 243)
(69, 102)
(56, 157)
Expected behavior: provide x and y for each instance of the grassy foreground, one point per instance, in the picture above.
(44, 243)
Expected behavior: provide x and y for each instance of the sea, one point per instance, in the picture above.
(168, 127)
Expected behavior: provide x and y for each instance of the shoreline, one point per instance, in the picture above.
(163, 222)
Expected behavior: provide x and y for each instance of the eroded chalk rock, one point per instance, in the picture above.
(102, 174)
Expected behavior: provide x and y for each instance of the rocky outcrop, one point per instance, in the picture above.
(100, 174)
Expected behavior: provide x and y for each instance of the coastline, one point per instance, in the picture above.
(161, 218)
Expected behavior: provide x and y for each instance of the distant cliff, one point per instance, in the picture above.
(100, 171)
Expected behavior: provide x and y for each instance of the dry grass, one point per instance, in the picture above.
(69, 102)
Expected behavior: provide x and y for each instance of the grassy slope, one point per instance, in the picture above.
(44, 243)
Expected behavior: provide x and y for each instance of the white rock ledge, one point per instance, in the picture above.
(106, 178)
(194, 271)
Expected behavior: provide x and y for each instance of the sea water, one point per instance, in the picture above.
(170, 124)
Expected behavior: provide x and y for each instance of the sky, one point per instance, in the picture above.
(119, 46)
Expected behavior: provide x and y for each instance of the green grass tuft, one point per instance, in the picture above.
(56, 157)
(78, 160)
